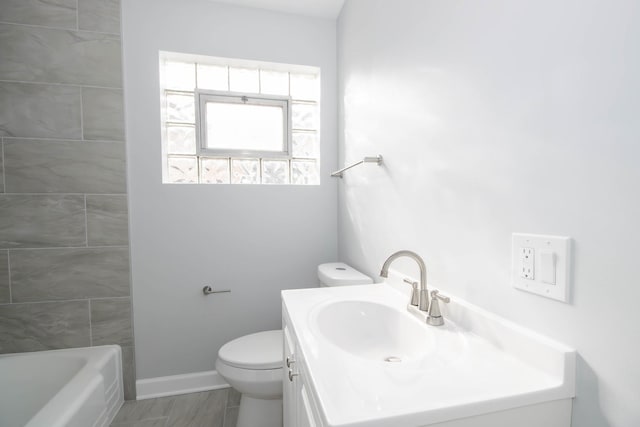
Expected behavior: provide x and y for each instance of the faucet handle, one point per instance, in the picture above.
(414, 292)
(435, 316)
(436, 294)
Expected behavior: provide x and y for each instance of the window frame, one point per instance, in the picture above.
(202, 97)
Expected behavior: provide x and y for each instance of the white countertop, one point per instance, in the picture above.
(477, 363)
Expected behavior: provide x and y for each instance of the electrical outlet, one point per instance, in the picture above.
(527, 263)
(541, 265)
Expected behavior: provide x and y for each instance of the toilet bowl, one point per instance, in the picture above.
(252, 364)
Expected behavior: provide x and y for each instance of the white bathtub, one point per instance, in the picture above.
(80, 387)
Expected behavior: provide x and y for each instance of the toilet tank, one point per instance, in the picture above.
(340, 274)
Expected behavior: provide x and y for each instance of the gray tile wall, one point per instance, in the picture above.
(64, 245)
(48, 13)
(36, 166)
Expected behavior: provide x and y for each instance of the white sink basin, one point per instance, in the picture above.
(475, 365)
(373, 331)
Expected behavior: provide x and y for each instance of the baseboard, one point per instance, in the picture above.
(179, 384)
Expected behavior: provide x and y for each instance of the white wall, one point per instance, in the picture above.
(496, 117)
(254, 240)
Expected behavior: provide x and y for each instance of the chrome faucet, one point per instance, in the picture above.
(422, 301)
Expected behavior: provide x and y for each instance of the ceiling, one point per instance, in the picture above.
(319, 8)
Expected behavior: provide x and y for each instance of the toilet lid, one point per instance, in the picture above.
(262, 350)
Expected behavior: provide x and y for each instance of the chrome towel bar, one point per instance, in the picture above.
(377, 159)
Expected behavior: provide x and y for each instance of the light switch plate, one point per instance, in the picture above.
(548, 267)
(548, 251)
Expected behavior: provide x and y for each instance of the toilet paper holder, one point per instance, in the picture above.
(208, 290)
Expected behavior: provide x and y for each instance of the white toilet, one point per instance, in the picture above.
(252, 364)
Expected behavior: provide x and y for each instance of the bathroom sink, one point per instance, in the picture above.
(372, 330)
(366, 359)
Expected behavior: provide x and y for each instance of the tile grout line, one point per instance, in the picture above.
(66, 194)
(52, 301)
(128, 423)
(86, 223)
(69, 247)
(90, 325)
(57, 140)
(26, 82)
(78, 30)
(4, 191)
(9, 273)
(166, 418)
(81, 112)
(173, 404)
(226, 408)
(4, 176)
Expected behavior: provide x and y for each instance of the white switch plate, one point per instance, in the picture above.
(556, 249)
(548, 267)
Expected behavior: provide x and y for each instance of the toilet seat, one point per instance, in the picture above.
(252, 364)
(259, 351)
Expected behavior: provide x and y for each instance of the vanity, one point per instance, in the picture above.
(361, 356)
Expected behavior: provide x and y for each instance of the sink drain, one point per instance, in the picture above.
(393, 359)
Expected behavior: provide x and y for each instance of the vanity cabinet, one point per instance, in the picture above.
(300, 409)
(476, 370)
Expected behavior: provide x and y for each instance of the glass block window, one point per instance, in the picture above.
(249, 125)
(229, 121)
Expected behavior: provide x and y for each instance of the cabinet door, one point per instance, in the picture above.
(289, 392)
(305, 412)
